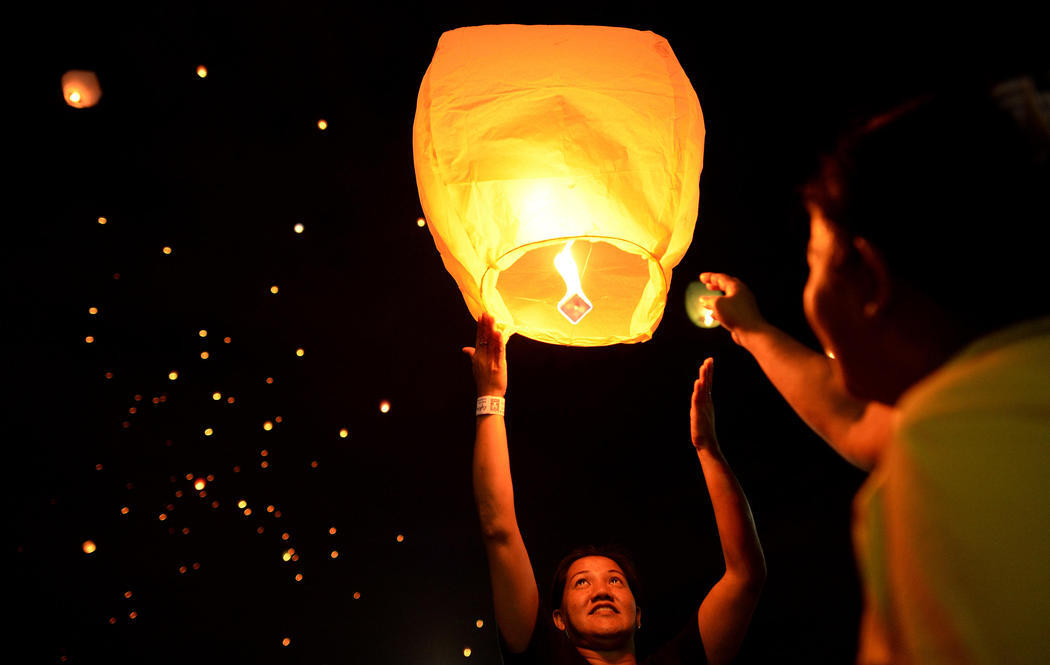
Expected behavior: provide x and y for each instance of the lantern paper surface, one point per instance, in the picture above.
(541, 149)
(81, 88)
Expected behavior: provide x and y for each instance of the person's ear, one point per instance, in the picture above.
(875, 278)
(559, 621)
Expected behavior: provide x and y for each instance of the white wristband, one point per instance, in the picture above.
(490, 404)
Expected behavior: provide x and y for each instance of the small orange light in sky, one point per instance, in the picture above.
(124, 510)
(466, 652)
(92, 310)
(81, 88)
(343, 433)
(335, 554)
(264, 452)
(322, 124)
(127, 594)
(298, 577)
(162, 517)
(277, 419)
(202, 71)
(285, 536)
(384, 406)
(479, 623)
(102, 220)
(264, 464)
(216, 396)
(274, 289)
(269, 508)
(133, 614)
(208, 431)
(331, 531)
(227, 340)
(421, 222)
(166, 250)
(242, 504)
(299, 352)
(199, 484)
(89, 339)
(247, 512)
(173, 375)
(230, 400)
(182, 570)
(400, 538)
(313, 464)
(285, 642)
(109, 375)
(298, 228)
(204, 355)
(88, 547)
(287, 555)
(269, 379)
(202, 332)
(267, 425)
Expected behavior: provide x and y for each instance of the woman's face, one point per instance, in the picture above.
(598, 608)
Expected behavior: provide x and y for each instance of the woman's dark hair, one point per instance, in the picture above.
(953, 189)
(615, 552)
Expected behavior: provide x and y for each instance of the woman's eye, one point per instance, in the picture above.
(617, 580)
(580, 582)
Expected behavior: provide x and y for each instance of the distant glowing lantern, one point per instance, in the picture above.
(81, 88)
(558, 168)
(202, 71)
(695, 309)
(88, 546)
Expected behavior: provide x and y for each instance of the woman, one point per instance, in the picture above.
(595, 614)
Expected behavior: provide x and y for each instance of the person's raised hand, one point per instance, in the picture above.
(737, 310)
(489, 358)
(702, 410)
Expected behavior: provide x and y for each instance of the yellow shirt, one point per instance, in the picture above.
(952, 529)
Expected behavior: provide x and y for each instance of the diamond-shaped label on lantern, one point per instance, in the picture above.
(574, 308)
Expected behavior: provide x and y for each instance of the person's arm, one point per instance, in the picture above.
(515, 596)
(856, 429)
(725, 612)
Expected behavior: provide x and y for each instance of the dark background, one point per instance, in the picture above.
(220, 169)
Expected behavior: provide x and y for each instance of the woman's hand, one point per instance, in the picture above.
(489, 357)
(702, 411)
(737, 310)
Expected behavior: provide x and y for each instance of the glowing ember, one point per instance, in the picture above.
(202, 71)
(88, 546)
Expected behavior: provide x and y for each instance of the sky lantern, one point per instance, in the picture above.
(80, 88)
(558, 169)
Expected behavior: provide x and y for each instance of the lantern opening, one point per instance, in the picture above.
(610, 291)
(575, 305)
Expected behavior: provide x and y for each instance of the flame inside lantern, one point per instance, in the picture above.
(574, 305)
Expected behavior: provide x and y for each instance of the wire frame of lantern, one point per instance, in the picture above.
(559, 167)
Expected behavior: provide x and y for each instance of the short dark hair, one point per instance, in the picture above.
(953, 189)
(617, 553)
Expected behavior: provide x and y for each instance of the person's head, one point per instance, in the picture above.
(594, 596)
(925, 232)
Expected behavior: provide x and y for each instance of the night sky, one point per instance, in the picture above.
(102, 443)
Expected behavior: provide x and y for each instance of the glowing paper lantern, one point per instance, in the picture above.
(81, 88)
(558, 168)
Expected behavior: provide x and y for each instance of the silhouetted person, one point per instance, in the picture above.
(927, 287)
